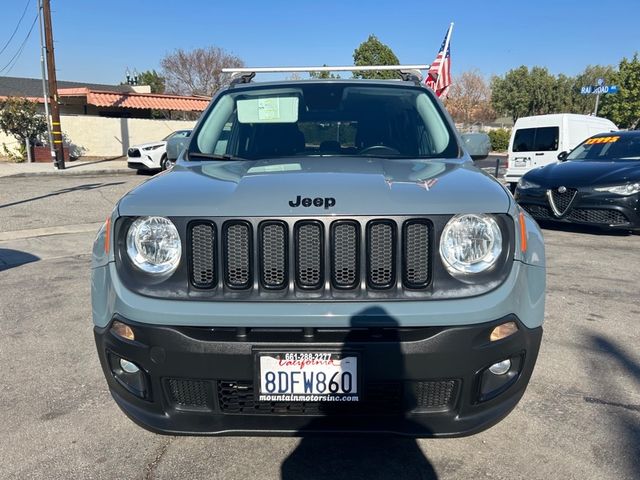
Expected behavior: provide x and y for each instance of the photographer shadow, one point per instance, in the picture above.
(325, 452)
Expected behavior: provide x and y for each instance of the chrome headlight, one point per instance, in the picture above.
(470, 243)
(153, 245)
(628, 189)
(524, 184)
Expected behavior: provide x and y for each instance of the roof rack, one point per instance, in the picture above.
(407, 72)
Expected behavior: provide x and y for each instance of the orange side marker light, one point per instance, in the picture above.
(523, 233)
(107, 235)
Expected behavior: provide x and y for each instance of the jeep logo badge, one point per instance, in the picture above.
(327, 202)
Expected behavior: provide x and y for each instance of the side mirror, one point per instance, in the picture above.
(562, 156)
(478, 145)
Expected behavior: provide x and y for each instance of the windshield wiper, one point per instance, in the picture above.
(213, 156)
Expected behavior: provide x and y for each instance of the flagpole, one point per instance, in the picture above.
(446, 49)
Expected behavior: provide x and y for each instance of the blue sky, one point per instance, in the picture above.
(97, 40)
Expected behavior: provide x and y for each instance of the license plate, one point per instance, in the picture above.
(307, 377)
(519, 162)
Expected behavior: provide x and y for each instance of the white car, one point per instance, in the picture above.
(152, 156)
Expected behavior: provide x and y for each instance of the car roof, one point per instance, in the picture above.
(343, 81)
(618, 133)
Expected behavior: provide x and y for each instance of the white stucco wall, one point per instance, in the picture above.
(109, 137)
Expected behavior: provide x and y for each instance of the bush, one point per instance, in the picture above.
(19, 118)
(500, 139)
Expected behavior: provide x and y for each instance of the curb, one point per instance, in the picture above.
(113, 171)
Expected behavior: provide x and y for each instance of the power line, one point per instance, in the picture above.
(16, 56)
(16, 29)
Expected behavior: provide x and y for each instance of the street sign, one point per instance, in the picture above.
(598, 90)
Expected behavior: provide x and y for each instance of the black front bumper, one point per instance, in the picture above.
(422, 382)
(597, 209)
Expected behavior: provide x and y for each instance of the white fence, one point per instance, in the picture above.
(91, 136)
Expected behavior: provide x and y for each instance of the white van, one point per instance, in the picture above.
(537, 141)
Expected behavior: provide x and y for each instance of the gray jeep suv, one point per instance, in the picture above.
(330, 260)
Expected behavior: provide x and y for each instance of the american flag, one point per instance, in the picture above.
(439, 74)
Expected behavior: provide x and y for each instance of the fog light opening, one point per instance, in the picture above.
(129, 375)
(503, 331)
(128, 366)
(123, 331)
(500, 368)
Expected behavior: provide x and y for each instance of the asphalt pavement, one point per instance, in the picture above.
(579, 419)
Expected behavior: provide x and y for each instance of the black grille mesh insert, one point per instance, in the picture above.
(538, 211)
(345, 269)
(563, 200)
(273, 249)
(434, 394)
(187, 393)
(238, 255)
(597, 216)
(381, 398)
(203, 247)
(381, 257)
(309, 255)
(416, 254)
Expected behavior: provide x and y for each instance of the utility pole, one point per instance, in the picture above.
(53, 87)
(43, 66)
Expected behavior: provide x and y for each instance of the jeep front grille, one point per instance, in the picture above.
(341, 257)
(381, 259)
(273, 254)
(416, 252)
(237, 254)
(309, 255)
(344, 254)
(203, 261)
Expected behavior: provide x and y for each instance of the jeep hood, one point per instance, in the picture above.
(360, 186)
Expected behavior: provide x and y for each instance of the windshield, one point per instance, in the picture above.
(324, 119)
(178, 133)
(608, 148)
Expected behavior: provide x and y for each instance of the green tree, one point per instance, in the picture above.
(585, 103)
(153, 79)
(19, 117)
(562, 94)
(524, 92)
(540, 85)
(374, 52)
(623, 108)
(509, 94)
(323, 74)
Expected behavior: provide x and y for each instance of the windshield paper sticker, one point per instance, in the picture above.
(268, 108)
(591, 141)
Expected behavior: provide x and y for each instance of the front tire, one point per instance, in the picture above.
(165, 163)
